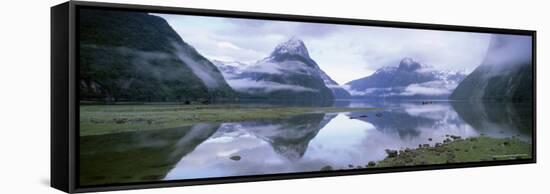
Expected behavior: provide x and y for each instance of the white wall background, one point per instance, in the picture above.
(25, 98)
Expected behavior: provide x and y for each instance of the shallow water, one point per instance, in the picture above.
(301, 143)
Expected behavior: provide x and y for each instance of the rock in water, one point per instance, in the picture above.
(236, 158)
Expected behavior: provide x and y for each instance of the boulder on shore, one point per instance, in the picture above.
(391, 153)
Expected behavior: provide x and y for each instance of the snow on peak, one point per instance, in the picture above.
(294, 46)
(409, 64)
(236, 64)
(386, 69)
(407, 61)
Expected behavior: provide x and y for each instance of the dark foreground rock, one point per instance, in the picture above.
(236, 158)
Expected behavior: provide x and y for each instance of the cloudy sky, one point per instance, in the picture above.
(345, 52)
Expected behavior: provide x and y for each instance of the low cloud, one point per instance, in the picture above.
(344, 52)
(279, 68)
(269, 68)
(249, 85)
(431, 88)
(508, 50)
(368, 91)
(203, 71)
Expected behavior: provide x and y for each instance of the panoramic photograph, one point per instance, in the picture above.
(179, 97)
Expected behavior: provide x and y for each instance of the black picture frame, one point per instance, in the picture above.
(65, 109)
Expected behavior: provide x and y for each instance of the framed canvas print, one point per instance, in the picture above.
(146, 96)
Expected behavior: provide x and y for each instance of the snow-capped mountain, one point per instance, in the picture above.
(294, 46)
(289, 137)
(407, 80)
(287, 72)
(229, 69)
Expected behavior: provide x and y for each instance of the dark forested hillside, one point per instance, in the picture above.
(503, 75)
(133, 56)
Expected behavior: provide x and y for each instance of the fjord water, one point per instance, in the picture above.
(300, 143)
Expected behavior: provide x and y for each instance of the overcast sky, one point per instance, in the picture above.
(345, 52)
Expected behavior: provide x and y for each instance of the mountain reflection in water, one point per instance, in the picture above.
(309, 142)
(299, 143)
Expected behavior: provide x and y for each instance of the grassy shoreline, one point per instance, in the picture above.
(107, 119)
(474, 149)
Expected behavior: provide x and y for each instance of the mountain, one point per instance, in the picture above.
(409, 79)
(506, 73)
(289, 137)
(133, 56)
(497, 119)
(410, 120)
(288, 72)
(338, 91)
(229, 69)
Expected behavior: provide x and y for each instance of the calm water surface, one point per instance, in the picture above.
(301, 143)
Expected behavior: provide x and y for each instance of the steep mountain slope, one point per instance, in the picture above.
(289, 72)
(504, 75)
(133, 56)
(338, 91)
(408, 80)
(229, 69)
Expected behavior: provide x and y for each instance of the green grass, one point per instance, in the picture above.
(106, 119)
(462, 150)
